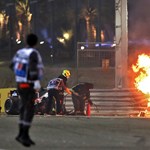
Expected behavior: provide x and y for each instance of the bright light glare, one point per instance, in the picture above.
(18, 41)
(113, 45)
(66, 36)
(82, 47)
(96, 45)
(42, 42)
(61, 40)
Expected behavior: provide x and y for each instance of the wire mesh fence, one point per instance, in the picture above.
(95, 54)
(96, 63)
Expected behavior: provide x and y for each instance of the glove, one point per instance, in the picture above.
(37, 85)
(75, 93)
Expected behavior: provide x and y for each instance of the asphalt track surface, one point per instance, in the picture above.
(78, 133)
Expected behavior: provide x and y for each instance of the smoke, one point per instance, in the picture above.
(139, 19)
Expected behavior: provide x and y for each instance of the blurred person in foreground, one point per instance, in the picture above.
(28, 69)
(56, 88)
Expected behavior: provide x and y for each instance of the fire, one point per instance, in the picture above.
(142, 70)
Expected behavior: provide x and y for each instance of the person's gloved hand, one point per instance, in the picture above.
(37, 85)
(75, 93)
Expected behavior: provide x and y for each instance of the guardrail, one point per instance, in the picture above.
(114, 102)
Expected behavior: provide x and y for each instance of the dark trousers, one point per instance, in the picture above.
(53, 93)
(78, 103)
(26, 105)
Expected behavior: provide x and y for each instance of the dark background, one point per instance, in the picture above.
(51, 18)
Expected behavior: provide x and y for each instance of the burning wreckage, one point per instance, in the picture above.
(142, 80)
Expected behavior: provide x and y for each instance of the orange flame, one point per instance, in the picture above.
(142, 69)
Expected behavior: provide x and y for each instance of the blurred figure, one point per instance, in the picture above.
(28, 69)
(83, 90)
(56, 88)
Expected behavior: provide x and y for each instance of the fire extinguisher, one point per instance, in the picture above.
(88, 110)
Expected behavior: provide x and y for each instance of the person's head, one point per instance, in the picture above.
(66, 73)
(31, 40)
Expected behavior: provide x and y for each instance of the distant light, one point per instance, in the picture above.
(61, 40)
(42, 42)
(82, 47)
(51, 46)
(86, 45)
(96, 45)
(18, 42)
(113, 45)
(51, 55)
(66, 36)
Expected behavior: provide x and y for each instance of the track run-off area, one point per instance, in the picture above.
(78, 132)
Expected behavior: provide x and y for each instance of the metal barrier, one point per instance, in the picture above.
(96, 58)
(114, 102)
(92, 56)
(96, 64)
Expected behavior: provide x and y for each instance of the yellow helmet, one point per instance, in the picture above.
(66, 73)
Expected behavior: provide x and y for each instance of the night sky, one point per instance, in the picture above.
(139, 19)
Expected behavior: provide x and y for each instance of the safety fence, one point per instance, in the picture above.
(96, 64)
(95, 57)
(114, 102)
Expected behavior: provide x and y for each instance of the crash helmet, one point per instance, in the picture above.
(66, 73)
